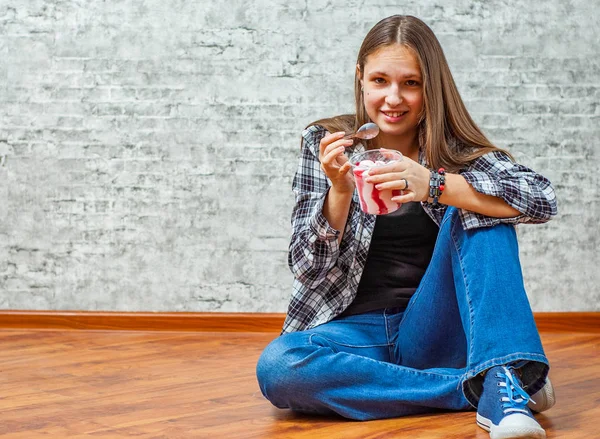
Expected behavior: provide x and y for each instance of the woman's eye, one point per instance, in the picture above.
(379, 80)
(412, 82)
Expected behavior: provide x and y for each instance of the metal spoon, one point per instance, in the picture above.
(365, 132)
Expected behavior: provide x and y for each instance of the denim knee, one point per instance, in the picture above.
(277, 372)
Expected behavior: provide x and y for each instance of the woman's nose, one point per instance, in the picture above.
(393, 98)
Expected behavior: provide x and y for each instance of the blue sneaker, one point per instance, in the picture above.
(502, 408)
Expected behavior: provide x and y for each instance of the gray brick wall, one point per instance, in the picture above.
(147, 148)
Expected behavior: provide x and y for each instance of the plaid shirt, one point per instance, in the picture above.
(326, 274)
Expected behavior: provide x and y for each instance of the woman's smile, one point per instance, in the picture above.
(394, 116)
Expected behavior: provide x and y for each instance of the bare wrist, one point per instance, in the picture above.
(341, 193)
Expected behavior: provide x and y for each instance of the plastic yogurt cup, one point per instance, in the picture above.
(372, 200)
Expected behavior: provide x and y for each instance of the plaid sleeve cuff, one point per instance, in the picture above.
(318, 223)
(471, 220)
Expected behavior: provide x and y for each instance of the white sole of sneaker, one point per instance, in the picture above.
(544, 399)
(497, 432)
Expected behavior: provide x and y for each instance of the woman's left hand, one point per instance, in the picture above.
(405, 175)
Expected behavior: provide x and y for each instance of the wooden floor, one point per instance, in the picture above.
(113, 384)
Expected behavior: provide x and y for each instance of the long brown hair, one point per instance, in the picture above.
(447, 133)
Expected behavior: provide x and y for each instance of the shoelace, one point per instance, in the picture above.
(516, 398)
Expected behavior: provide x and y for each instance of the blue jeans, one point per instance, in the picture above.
(470, 313)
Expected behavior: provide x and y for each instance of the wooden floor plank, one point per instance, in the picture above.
(113, 384)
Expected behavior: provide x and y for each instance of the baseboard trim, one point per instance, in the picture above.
(223, 322)
(142, 321)
(568, 321)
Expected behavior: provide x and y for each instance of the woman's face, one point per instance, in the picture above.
(393, 93)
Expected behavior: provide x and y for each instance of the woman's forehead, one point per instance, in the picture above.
(393, 58)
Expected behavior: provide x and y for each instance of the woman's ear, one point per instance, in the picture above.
(359, 76)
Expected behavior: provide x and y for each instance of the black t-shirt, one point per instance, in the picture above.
(400, 251)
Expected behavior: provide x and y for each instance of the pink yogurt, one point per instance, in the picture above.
(372, 200)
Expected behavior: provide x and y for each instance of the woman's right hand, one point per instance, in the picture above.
(334, 163)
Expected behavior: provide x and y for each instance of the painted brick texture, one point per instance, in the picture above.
(147, 148)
